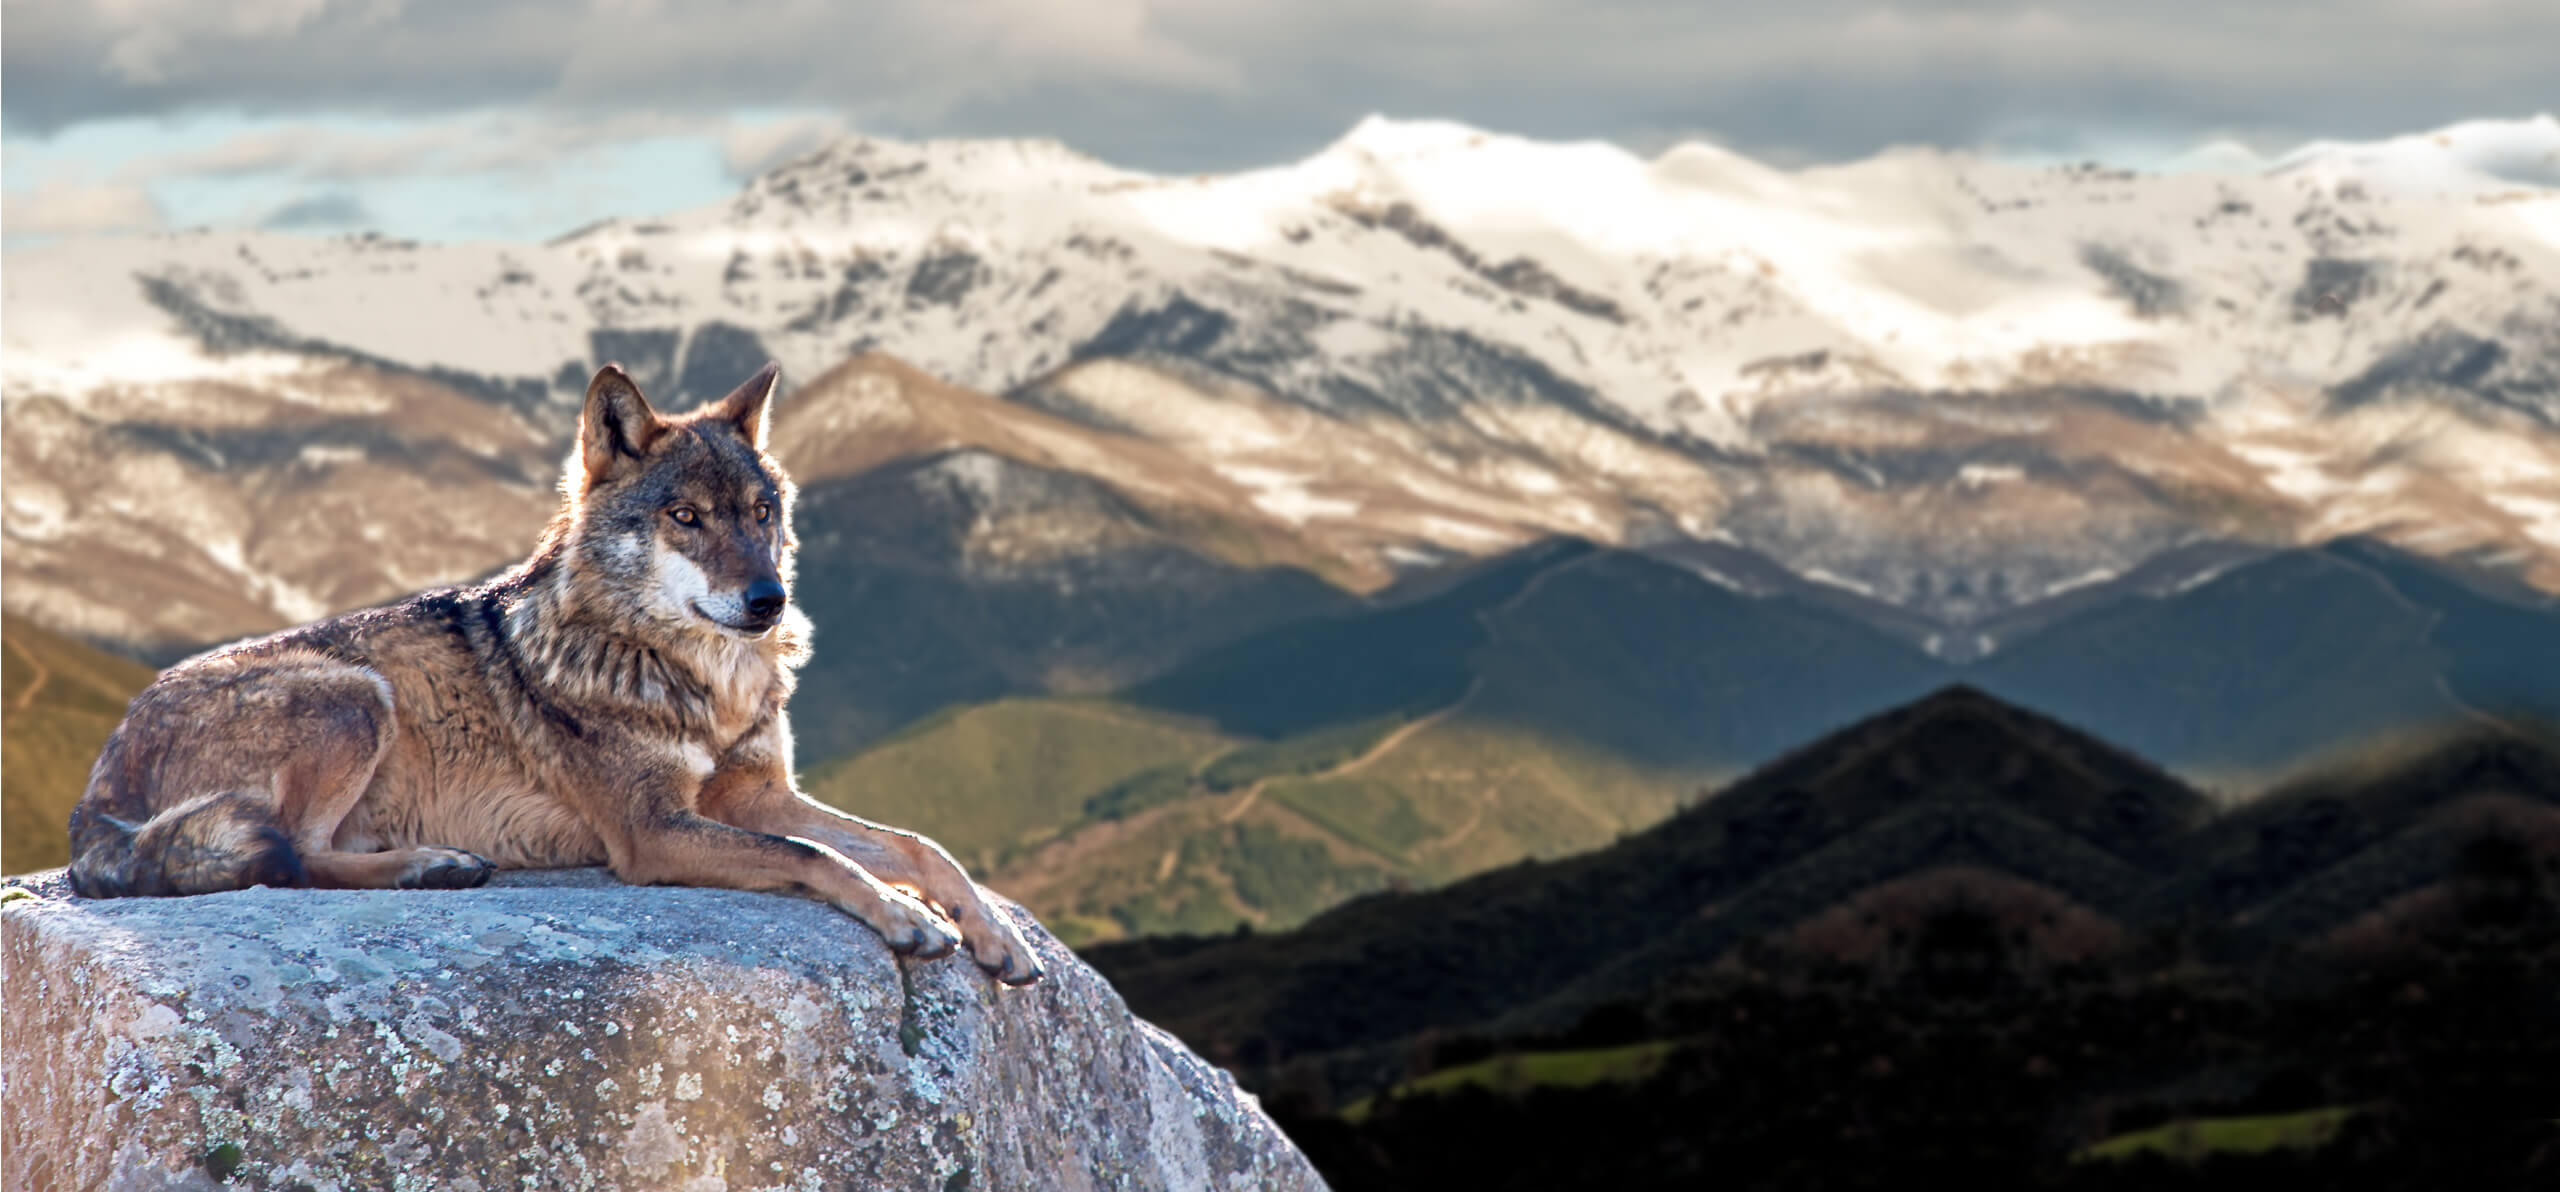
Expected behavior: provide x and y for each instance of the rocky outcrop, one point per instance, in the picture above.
(560, 1030)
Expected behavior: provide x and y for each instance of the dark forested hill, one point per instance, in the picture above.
(1787, 982)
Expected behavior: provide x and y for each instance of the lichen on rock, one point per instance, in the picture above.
(560, 1030)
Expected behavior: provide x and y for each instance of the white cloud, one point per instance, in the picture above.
(463, 143)
(750, 148)
(78, 208)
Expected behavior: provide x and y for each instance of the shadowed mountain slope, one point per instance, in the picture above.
(1956, 778)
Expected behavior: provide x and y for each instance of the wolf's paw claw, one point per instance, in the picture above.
(927, 940)
(930, 944)
(1014, 968)
(914, 929)
(446, 869)
(1001, 950)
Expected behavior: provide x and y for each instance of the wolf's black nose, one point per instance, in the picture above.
(765, 598)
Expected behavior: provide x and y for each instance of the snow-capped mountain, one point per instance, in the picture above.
(1948, 387)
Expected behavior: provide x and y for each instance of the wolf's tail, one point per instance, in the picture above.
(224, 841)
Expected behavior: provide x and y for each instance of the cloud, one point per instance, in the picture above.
(265, 150)
(337, 209)
(1197, 84)
(463, 143)
(146, 37)
(749, 149)
(1809, 80)
(78, 208)
(70, 60)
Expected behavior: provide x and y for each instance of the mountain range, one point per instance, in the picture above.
(1188, 552)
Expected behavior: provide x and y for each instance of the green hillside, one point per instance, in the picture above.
(1518, 1073)
(62, 698)
(992, 779)
(1441, 799)
(2192, 1140)
(1110, 820)
(1463, 794)
(1518, 712)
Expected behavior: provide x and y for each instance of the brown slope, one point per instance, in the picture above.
(174, 516)
(169, 517)
(58, 701)
(875, 410)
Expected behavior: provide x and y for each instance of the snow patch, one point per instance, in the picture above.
(1284, 494)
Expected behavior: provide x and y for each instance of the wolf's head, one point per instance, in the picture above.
(685, 521)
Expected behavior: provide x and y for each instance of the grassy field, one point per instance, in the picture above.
(1464, 795)
(1519, 1072)
(1307, 753)
(2197, 1138)
(61, 699)
(991, 779)
(1165, 851)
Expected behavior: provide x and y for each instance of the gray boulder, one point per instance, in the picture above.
(560, 1030)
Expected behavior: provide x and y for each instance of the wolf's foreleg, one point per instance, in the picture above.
(760, 798)
(683, 849)
(904, 858)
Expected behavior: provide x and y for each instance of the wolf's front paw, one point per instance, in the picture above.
(438, 868)
(912, 928)
(999, 948)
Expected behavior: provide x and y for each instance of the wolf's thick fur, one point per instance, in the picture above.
(617, 698)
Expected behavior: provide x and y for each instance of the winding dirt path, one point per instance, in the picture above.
(1405, 732)
(27, 698)
(1377, 749)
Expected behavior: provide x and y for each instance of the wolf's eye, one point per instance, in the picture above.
(764, 511)
(684, 515)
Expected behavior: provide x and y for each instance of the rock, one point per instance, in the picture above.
(561, 1030)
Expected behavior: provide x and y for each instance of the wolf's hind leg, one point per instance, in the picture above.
(428, 867)
(224, 841)
(328, 772)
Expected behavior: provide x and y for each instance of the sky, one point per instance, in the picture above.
(523, 119)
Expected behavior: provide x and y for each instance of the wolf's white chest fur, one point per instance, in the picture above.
(739, 676)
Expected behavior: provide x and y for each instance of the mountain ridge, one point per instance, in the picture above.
(1496, 340)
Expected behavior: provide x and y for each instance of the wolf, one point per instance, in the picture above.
(616, 699)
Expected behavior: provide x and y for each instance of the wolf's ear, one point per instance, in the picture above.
(745, 406)
(617, 424)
